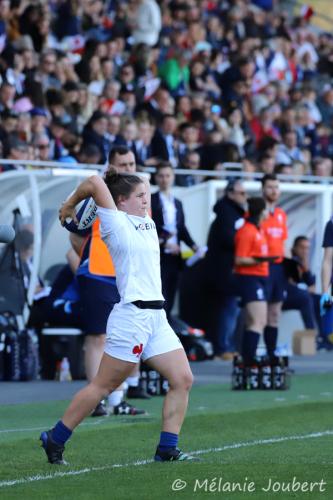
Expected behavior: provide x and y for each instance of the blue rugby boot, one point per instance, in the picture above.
(172, 454)
(52, 449)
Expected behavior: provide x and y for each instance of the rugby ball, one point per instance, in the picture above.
(86, 213)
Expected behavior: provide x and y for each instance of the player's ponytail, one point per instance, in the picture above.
(121, 185)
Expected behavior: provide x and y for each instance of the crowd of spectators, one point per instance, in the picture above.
(194, 82)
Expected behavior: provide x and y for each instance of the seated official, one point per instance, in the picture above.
(301, 285)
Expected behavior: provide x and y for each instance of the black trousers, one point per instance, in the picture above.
(171, 267)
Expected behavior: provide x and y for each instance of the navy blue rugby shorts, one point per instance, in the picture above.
(97, 301)
(251, 288)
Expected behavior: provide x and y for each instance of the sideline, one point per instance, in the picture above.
(88, 470)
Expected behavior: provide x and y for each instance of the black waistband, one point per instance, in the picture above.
(149, 304)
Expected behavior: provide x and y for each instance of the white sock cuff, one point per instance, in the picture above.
(115, 398)
(133, 381)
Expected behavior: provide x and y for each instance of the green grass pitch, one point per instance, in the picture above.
(247, 442)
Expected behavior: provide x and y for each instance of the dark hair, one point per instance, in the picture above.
(163, 164)
(300, 238)
(118, 150)
(268, 177)
(256, 205)
(89, 150)
(231, 184)
(121, 184)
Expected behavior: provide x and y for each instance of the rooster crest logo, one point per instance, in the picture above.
(137, 349)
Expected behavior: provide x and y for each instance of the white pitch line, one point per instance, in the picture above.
(97, 421)
(32, 429)
(234, 446)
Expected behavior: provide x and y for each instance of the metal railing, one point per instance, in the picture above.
(229, 169)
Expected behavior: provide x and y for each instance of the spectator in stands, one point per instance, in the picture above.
(147, 22)
(17, 150)
(219, 262)
(95, 132)
(175, 72)
(288, 151)
(7, 94)
(143, 147)
(189, 139)
(325, 104)
(8, 126)
(190, 161)
(90, 154)
(322, 167)
(258, 84)
(46, 73)
(266, 164)
(41, 144)
(168, 215)
(163, 144)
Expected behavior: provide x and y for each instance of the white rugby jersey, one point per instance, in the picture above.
(134, 247)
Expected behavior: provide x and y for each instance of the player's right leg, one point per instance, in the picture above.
(112, 372)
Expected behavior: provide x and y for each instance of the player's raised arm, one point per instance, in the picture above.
(93, 187)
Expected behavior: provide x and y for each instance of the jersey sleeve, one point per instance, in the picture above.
(111, 221)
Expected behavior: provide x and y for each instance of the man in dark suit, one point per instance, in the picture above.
(164, 145)
(168, 215)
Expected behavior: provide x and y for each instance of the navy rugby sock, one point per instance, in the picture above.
(61, 433)
(168, 440)
(270, 337)
(249, 345)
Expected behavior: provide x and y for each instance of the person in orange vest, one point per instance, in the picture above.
(98, 291)
(276, 232)
(251, 275)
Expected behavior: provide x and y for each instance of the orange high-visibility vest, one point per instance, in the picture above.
(100, 261)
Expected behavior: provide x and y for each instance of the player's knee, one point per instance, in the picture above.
(183, 381)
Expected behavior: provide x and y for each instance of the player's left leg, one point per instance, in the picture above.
(271, 330)
(175, 368)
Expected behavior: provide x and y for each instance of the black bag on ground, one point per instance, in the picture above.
(9, 348)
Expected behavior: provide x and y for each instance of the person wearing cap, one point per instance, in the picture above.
(39, 120)
(218, 262)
